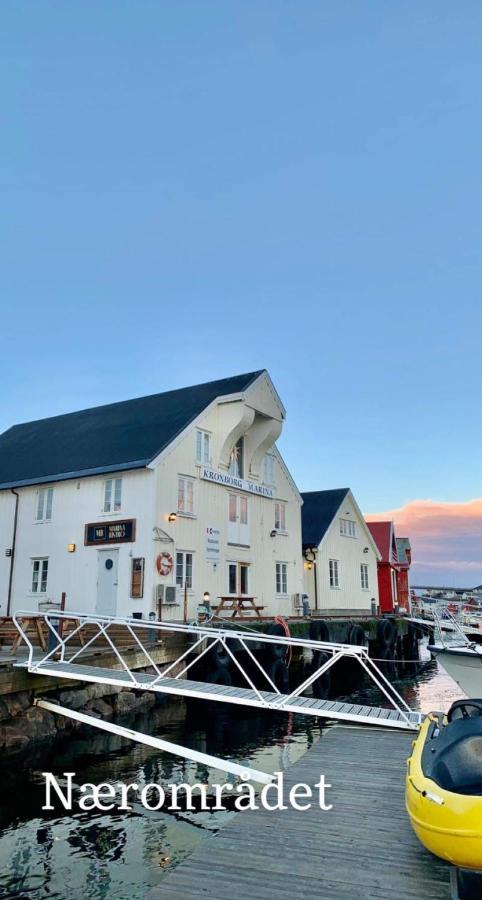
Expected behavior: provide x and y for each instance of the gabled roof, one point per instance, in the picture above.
(317, 513)
(403, 547)
(384, 537)
(119, 436)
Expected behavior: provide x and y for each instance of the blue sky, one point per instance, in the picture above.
(195, 189)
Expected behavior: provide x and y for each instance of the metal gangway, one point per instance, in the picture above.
(66, 660)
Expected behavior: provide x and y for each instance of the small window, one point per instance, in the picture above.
(281, 578)
(40, 569)
(280, 516)
(203, 447)
(184, 569)
(364, 576)
(44, 504)
(185, 496)
(347, 528)
(137, 578)
(334, 573)
(112, 495)
(236, 461)
(268, 469)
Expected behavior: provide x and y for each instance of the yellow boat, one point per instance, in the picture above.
(444, 784)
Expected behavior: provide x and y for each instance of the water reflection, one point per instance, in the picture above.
(122, 855)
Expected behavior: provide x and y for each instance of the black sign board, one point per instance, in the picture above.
(118, 532)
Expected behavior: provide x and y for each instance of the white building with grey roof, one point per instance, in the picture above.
(133, 507)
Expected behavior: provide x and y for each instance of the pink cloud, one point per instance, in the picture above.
(446, 540)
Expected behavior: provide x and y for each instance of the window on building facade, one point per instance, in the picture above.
(40, 569)
(364, 576)
(184, 569)
(268, 469)
(44, 504)
(334, 573)
(185, 496)
(137, 578)
(280, 515)
(203, 447)
(281, 578)
(238, 578)
(347, 528)
(112, 495)
(236, 461)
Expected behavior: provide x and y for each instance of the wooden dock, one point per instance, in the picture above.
(362, 849)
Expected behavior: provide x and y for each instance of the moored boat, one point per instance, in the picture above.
(444, 784)
(462, 661)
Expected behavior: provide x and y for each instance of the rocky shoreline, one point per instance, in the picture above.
(24, 726)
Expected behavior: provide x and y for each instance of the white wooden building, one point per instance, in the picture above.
(340, 555)
(125, 505)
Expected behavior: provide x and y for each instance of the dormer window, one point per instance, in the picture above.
(236, 462)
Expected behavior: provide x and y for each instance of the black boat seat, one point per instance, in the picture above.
(453, 759)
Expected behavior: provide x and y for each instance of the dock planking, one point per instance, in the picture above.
(363, 848)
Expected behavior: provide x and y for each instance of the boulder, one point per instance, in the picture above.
(99, 707)
(125, 702)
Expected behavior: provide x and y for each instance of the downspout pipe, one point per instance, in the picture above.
(12, 558)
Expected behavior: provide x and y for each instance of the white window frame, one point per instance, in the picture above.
(185, 489)
(203, 447)
(239, 565)
(112, 496)
(334, 573)
(40, 566)
(45, 497)
(348, 528)
(364, 579)
(181, 573)
(281, 579)
(280, 516)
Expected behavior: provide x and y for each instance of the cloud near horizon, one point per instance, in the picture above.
(446, 540)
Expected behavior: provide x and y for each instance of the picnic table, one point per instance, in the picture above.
(238, 605)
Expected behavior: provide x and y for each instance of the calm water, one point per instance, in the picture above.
(93, 856)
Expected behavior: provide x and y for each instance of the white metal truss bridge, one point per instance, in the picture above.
(66, 659)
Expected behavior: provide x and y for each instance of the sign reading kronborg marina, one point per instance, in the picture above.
(232, 481)
(110, 532)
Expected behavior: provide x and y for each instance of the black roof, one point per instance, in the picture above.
(317, 513)
(126, 435)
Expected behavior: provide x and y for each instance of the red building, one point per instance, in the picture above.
(404, 554)
(384, 536)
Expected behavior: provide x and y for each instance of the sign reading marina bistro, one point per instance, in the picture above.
(119, 532)
(232, 481)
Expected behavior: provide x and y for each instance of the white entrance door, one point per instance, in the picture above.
(238, 524)
(107, 564)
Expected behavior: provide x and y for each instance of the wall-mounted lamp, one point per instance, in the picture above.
(70, 548)
(206, 597)
(8, 551)
(273, 533)
(308, 565)
(365, 549)
(310, 555)
(172, 517)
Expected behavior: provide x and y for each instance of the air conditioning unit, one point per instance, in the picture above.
(170, 594)
(297, 601)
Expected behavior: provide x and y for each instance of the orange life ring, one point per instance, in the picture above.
(164, 563)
